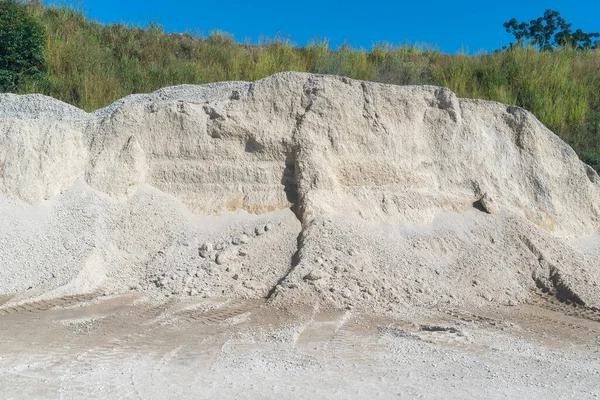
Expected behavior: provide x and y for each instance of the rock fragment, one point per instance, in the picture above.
(205, 250)
(489, 205)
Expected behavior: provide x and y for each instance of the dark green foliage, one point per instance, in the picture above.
(21, 47)
(549, 32)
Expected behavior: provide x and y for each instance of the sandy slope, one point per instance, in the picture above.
(298, 237)
(300, 188)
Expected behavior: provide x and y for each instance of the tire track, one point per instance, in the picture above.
(548, 300)
(318, 333)
(45, 305)
(226, 313)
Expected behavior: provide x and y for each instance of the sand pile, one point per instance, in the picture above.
(298, 187)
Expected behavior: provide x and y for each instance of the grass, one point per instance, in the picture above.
(90, 65)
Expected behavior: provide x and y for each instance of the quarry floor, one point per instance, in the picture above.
(129, 347)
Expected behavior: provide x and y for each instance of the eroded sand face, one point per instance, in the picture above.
(128, 347)
(302, 236)
(298, 188)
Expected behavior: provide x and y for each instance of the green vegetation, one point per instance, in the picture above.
(21, 47)
(549, 32)
(90, 65)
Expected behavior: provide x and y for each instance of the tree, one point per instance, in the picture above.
(549, 32)
(22, 42)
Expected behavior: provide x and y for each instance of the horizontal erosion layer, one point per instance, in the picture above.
(318, 143)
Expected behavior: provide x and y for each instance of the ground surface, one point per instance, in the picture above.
(128, 347)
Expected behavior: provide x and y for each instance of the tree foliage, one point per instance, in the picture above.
(549, 32)
(22, 42)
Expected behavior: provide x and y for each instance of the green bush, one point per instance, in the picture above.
(21, 47)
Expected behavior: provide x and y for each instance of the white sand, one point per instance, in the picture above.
(301, 188)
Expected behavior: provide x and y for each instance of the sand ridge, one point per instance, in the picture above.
(299, 188)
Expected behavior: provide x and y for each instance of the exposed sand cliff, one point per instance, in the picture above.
(300, 187)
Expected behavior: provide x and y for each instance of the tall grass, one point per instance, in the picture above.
(91, 65)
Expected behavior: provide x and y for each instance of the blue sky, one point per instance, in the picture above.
(448, 25)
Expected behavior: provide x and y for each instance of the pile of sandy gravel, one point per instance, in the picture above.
(299, 187)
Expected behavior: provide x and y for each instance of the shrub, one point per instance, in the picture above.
(21, 47)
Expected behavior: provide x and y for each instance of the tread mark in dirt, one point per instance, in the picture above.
(44, 305)
(5, 299)
(355, 338)
(466, 316)
(222, 314)
(547, 299)
(320, 331)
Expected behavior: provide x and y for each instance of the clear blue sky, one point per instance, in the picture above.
(448, 25)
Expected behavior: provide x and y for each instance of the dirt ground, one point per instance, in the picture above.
(128, 347)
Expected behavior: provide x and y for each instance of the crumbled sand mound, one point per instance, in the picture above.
(300, 187)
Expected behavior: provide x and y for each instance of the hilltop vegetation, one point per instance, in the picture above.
(90, 65)
(22, 44)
